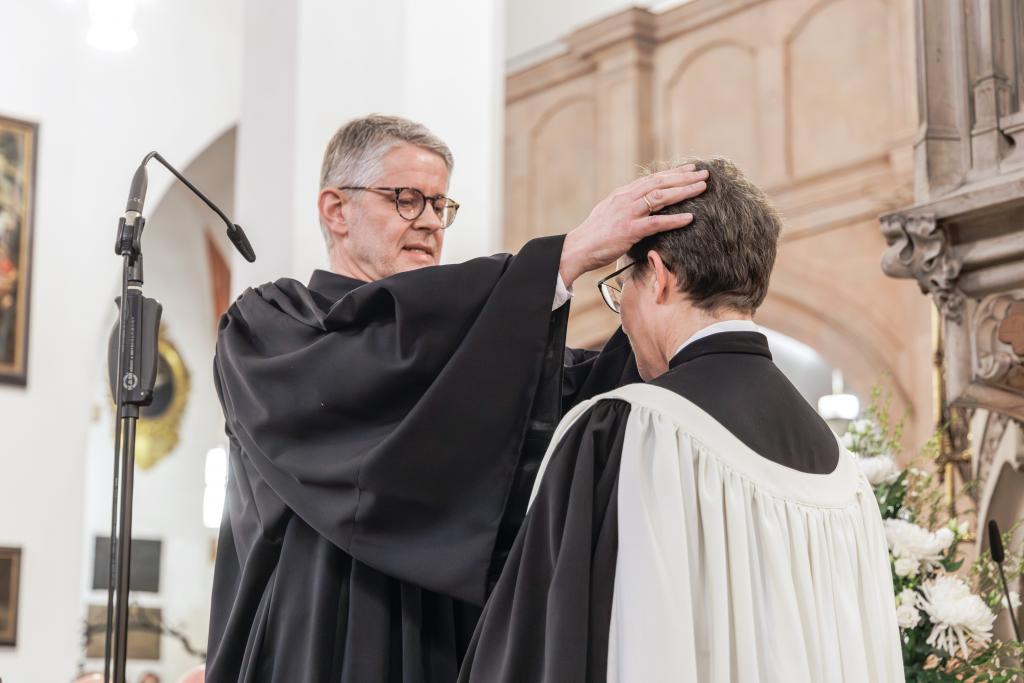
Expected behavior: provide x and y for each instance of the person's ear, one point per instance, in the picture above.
(663, 280)
(335, 208)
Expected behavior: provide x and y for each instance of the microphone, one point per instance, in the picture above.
(241, 242)
(995, 545)
(137, 197)
(137, 194)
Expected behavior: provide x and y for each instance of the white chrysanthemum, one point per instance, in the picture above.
(906, 566)
(957, 615)
(910, 541)
(907, 596)
(880, 469)
(907, 616)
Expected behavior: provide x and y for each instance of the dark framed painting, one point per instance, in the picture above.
(10, 578)
(145, 626)
(18, 143)
(143, 572)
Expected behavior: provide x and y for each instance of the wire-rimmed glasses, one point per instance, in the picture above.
(611, 288)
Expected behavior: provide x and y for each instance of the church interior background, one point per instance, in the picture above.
(889, 133)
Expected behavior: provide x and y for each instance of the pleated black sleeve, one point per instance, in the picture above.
(375, 433)
(547, 620)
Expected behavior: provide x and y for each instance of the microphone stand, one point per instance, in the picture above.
(132, 383)
(998, 553)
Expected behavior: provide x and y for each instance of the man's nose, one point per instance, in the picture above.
(429, 220)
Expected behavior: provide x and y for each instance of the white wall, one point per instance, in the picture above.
(311, 65)
(99, 113)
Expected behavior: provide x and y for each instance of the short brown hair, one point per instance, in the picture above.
(724, 258)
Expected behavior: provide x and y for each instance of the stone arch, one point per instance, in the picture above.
(847, 347)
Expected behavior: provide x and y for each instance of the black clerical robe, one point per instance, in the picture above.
(551, 612)
(383, 442)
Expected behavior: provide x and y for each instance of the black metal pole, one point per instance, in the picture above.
(1009, 605)
(132, 384)
(124, 541)
(115, 497)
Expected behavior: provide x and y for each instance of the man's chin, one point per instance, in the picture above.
(414, 261)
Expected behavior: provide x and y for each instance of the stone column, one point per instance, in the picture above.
(941, 151)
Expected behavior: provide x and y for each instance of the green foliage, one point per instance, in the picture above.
(891, 496)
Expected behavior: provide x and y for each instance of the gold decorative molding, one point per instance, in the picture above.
(158, 430)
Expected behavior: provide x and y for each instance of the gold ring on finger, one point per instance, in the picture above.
(648, 202)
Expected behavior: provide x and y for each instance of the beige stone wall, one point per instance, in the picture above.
(814, 99)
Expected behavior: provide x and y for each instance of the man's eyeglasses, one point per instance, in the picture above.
(611, 288)
(410, 203)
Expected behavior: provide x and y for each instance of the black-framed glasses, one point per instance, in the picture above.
(410, 203)
(611, 288)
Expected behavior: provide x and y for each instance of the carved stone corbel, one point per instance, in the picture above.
(919, 249)
(998, 331)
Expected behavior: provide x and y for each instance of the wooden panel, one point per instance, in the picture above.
(562, 165)
(838, 106)
(708, 107)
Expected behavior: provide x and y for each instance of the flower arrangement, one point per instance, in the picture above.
(945, 611)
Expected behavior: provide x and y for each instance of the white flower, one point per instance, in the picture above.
(863, 426)
(1014, 601)
(880, 469)
(907, 596)
(957, 615)
(908, 540)
(847, 440)
(907, 616)
(906, 566)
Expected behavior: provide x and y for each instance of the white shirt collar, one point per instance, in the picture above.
(715, 328)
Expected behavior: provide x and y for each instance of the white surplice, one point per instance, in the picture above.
(734, 568)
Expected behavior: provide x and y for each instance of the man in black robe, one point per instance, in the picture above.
(385, 421)
(704, 526)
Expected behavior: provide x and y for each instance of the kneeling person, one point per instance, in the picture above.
(706, 526)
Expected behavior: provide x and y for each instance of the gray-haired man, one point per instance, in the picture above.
(386, 420)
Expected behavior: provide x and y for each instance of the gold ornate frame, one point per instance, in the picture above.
(158, 435)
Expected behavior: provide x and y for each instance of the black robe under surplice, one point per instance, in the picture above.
(549, 617)
(383, 442)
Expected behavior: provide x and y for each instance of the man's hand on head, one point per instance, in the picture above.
(623, 218)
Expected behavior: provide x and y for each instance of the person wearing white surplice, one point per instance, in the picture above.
(707, 525)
